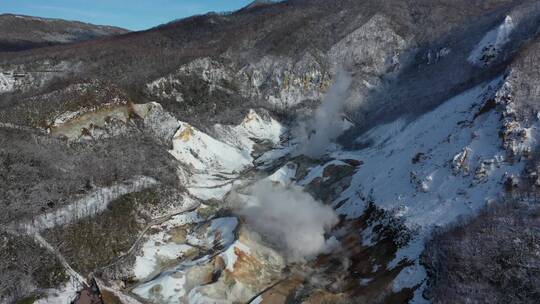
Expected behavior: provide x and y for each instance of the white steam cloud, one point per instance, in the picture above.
(286, 216)
(326, 124)
(290, 219)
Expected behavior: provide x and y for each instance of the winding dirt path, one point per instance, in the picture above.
(157, 221)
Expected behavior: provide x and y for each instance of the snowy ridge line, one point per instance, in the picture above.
(92, 204)
(22, 128)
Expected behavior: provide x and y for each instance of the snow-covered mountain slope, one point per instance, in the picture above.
(256, 128)
(202, 152)
(218, 162)
(448, 163)
(435, 164)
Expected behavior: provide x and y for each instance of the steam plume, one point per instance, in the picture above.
(326, 124)
(289, 218)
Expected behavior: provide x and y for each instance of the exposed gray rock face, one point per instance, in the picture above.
(283, 83)
(372, 49)
(274, 82)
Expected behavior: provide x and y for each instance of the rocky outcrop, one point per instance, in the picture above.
(460, 162)
(373, 49)
(115, 119)
(273, 81)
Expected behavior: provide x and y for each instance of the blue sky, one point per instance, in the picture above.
(130, 14)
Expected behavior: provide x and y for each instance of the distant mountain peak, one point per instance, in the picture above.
(257, 3)
(22, 32)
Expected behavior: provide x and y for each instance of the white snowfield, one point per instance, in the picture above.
(205, 153)
(490, 46)
(170, 286)
(253, 127)
(231, 151)
(219, 161)
(284, 175)
(432, 191)
(159, 247)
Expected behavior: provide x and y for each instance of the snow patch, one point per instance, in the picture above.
(170, 285)
(229, 255)
(254, 128)
(203, 152)
(91, 204)
(220, 232)
(7, 82)
(165, 289)
(159, 246)
(63, 295)
(285, 175)
(65, 117)
(318, 171)
(257, 300)
(491, 45)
